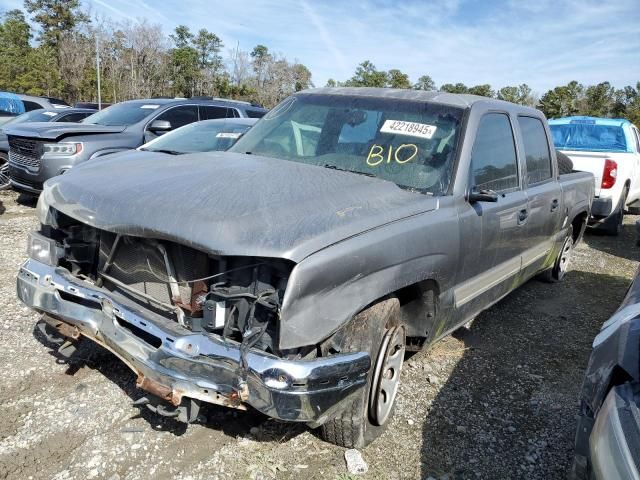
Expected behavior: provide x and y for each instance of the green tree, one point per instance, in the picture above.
(599, 99)
(520, 94)
(208, 46)
(368, 76)
(397, 79)
(15, 34)
(301, 77)
(185, 71)
(55, 17)
(425, 82)
(457, 88)
(563, 101)
(331, 83)
(482, 90)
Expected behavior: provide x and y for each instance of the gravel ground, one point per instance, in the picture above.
(497, 399)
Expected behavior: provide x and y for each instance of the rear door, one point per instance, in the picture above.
(544, 195)
(492, 234)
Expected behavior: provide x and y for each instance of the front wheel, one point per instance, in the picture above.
(4, 171)
(375, 330)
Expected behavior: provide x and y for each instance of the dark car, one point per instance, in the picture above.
(39, 151)
(608, 434)
(39, 115)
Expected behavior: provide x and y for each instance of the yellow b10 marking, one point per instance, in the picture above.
(377, 154)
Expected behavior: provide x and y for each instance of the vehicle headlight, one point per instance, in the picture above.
(63, 148)
(43, 249)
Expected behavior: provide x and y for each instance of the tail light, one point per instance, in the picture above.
(609, 174)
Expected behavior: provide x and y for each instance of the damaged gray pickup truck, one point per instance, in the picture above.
(292, 273)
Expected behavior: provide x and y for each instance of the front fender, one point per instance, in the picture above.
(328, 288)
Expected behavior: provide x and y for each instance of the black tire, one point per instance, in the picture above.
(4, 171)
(613, 225)
(354, 427)
(565, 164)
(561, 263)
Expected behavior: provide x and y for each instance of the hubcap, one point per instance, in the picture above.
(565, 256)
(386, 376)
(4, 173)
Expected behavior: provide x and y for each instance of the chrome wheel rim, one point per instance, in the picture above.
(4, 173)
(565, 256)
(386, 377)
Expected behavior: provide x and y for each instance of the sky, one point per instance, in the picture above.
(543, 43)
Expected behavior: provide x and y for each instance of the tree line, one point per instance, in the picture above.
(138, 60)
(601, 100)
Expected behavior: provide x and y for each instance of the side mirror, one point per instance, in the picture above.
(159, 126)
(482, 196)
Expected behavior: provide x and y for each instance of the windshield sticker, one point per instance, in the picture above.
(50, 114)
(151, 107)
(228, 135)
(402, 154)
(412, 129)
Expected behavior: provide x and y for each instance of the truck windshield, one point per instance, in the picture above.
(123, 114)
(588, 136)
(407, 142)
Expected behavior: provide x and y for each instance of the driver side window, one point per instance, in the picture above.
(180, 116)
(494, 164)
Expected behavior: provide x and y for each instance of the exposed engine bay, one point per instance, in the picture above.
(238, 298)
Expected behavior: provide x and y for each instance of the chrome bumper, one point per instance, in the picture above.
(178, 363)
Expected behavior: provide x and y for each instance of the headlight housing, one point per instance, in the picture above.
(43, 249)
(62, 148)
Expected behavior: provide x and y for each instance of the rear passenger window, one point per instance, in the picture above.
(208, 112)
(494, 165)
(536, 149)
(255, 113)
(28, 106)
(72, 117)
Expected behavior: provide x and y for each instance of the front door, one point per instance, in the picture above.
(492, 233)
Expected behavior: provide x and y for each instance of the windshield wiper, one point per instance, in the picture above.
(162, 150)
(335, 167)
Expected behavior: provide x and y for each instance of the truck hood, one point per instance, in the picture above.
(58, 130)
(229, 203)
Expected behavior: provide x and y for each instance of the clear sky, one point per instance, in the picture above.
(543, 43)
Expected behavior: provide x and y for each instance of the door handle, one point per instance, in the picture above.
(522, 216)
(555, 204)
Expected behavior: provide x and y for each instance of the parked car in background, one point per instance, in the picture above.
(610, 149)
(291, 272)
(93, 105)
(25, 103)
(204, 136)
(40, 115)
(608, 434)
(40, 151)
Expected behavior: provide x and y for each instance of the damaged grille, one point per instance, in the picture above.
(140, 264)
(25, 152)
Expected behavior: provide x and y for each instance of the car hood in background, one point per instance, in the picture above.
(229, 203)
(58, 130)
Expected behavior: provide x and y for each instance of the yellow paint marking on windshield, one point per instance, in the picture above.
(376, 154)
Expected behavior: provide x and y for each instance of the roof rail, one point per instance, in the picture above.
(205, 97)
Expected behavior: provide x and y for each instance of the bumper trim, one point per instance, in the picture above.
(198, 366)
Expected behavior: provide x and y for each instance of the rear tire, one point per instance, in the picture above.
(613, 225)
(375, 330)
(562, 261)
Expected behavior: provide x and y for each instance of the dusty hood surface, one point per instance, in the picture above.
(58, 130)
(229, 203)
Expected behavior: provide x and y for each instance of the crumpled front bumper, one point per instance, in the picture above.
(174, 362)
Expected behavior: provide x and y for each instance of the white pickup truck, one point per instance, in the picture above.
(610, 149)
